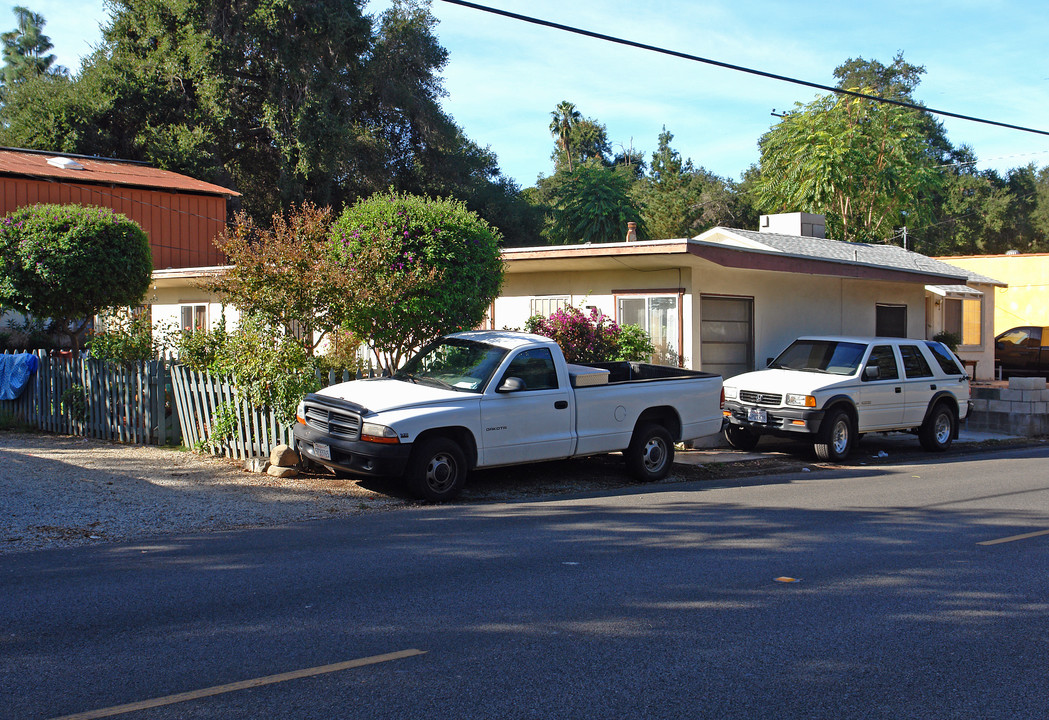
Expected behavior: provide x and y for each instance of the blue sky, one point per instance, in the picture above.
(984, 58)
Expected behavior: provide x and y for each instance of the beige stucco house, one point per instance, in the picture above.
(728, 299)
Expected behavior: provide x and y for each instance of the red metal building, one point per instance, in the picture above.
(181, 216)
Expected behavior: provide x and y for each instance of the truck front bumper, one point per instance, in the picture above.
(774, 421)
(352, 456)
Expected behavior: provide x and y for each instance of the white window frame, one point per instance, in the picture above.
(195, 309)
(674, 352)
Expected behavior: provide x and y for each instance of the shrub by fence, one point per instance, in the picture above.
(202, 399)
(84, 396)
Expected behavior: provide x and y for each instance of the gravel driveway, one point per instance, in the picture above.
(57, 491)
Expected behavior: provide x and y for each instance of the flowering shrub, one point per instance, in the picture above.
(592, 338)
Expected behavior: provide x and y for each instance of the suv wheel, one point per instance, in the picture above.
(835, 437)
(937, 432)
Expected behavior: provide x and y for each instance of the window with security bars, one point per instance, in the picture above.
(547, 306)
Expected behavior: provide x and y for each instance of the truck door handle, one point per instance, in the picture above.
(932, 387)
(560, 405)
(899, 390)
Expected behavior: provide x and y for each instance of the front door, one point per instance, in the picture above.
(532, 423)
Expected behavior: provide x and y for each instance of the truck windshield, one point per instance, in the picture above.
(463, 365)
(825, 356)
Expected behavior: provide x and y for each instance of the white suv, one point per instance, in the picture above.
(834, 389)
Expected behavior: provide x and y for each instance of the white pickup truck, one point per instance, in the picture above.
(834, 389)
(484, 399)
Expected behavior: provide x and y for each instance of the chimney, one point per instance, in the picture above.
(631, 232)
(804, 224)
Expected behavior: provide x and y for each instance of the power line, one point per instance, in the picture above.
(738, 68)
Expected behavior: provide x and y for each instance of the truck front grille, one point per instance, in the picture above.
(759, 398)
(345, 425)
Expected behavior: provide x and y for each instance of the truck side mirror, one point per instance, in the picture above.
(870, 372)
(511, 384)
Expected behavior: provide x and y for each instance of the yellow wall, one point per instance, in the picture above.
(1026, 300)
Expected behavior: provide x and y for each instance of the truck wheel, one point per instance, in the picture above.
(834, 440)
(937, 432)
(437, 469)
(741, 438)
(651, 453)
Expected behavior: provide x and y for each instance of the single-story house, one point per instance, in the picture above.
(728, 299)
(723, 301)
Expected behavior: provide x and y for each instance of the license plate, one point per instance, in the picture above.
(760, 415)
(322, 451)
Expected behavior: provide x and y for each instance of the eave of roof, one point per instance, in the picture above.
(732, 248)
(99, 171)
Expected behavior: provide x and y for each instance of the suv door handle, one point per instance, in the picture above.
(932, 387)
(560, 405)
(899, 390)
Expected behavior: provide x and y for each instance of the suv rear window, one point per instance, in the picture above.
(945, 358)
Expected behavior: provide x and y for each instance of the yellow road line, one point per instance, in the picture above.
(1013, 538)
(242, 685)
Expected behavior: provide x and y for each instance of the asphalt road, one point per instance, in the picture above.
(649, 602)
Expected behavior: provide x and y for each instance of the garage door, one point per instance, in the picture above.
(726, 334)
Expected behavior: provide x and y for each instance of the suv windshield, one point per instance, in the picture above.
(453, 363)
(825, 356)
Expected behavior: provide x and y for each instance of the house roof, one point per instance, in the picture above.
(747, 249)
(81, 169)
(869, 255)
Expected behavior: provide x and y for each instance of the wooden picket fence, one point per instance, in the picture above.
(153, 403)
(84, 396)
(200, 398)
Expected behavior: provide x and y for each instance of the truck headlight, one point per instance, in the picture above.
(801, 400)
(373, 432)
(300, 413)
(731, 393)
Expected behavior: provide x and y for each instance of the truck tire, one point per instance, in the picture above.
(937, 432)
(437, 469)
(741, 438)
(651, 453)
(835, 438)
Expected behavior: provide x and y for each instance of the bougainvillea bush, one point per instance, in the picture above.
(592, 337)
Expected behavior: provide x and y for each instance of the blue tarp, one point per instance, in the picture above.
(14, 374)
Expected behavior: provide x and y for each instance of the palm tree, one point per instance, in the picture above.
(563, 119)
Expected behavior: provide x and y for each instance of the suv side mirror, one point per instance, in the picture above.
(511, 384)
(870, 372)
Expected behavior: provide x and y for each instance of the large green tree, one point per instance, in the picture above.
(285, 102)
(26, 49)
(866, 165)
(680, 200)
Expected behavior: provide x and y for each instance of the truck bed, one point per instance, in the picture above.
(636, 372)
